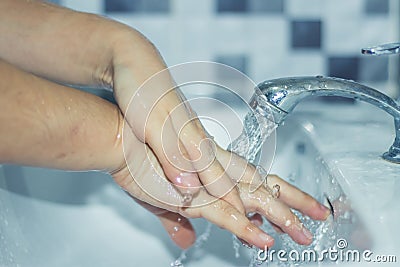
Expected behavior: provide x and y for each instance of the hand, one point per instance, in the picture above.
(158, 116)
(79, 131)
(121, 58)
(164, 196)
(107, 53)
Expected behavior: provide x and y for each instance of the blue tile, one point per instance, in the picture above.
(120, 5)
(155, 6)
(306, 34)
(374, 7)
(253, 6)
(138, 6)
(263, 6)
(344, 67)
(237, 6)
(374, 69)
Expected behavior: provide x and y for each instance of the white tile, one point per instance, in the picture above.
(305, 64)
(197, 40)
(342, 36)
(305, 8)
(337, 9)
(378, 30)
(230, 34)
(193, 8)
(350, 35)
(266, 67)
(268, 47)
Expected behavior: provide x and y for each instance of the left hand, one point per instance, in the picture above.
(167, 204)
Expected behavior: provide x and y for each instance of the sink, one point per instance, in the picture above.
(351, 143)
(57, 218)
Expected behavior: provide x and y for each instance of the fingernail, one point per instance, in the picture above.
(266, 238)
(325, 210)
(307, 233)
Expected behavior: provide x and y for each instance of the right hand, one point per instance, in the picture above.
(144, 181)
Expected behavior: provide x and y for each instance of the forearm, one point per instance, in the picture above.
(69, 46)
(48, 125)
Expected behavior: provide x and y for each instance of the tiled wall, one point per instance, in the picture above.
(268, 38)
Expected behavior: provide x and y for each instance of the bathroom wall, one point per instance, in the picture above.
(268, 38)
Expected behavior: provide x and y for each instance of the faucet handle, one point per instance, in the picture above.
(384, 49)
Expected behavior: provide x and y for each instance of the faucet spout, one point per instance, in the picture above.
(282, 96)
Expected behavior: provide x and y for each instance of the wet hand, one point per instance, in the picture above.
(274, 205)
(159, 117)
(148, 184)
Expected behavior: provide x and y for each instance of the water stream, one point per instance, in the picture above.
(256, 129)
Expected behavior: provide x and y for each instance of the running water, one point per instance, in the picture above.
(257, 128)
(197, 244)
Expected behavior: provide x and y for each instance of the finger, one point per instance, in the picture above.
(298, 199)
(278, 213)
(277, 228)
(178, 227)
(202, 151)
(172, 155)
(237, 167)
(216, 211)
(255, 219)
(142, 176)
(289, 194)
(146, 113)
(228, 217)
(184, 145)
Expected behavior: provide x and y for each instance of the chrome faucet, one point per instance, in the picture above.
(383, 49)
(282, 95)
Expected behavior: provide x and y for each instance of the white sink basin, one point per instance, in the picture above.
(55, 218)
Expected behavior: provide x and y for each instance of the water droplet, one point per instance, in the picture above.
(177, 263)
(187, 198)
(236, 246)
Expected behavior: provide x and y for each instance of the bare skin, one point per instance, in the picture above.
(54, 126)
(82, 48)
(50, 125)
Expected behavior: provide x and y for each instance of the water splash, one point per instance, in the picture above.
(236, 246)
(179, 262)
(258, 126)
(256, 129)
